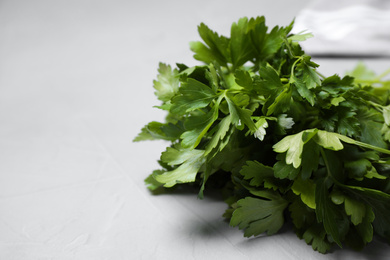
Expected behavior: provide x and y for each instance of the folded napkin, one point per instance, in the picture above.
(346, 27)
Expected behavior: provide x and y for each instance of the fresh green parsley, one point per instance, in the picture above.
(258, 122)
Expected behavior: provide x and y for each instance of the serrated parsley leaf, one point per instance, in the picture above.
(193, 95)
(385, 131)
(217, 48)
(293, 145)
(240, 115)
(310, 159)
(355, 209)
(386, 114)
(244, 79)
(281, 102)
(308, 73)
(222, 129)
(156, 130)
(151, 183)
(301, 36)
(241, 48)
(303, 90)
(144, 135)
(282, 170)
(326, 211)
(257, 216)
(306, 189)
(190, 162)
(379, 202)
(197, 127)
(328, 140)
(257, 173)
(316, 236)
(265, 44)
(167, 83)
(271, 78)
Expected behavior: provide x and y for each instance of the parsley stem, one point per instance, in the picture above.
(293, 66)
(326, 163)
(375, 105)
(385, 73)
(371, 82)
(320, 74)
(284, 80)
(289, 50)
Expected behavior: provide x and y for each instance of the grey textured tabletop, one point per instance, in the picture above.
(75, 89)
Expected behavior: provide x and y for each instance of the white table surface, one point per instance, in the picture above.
(75, 89)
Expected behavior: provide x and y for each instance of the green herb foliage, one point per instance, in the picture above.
(282, 142)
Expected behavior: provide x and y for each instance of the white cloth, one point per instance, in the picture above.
(346, 27)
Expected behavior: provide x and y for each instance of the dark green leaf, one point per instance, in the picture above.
(193, 95)
(257, 173)
(222, 129)
(217, 48)
(240, 115)
(197, 127)
(326, 211)
(257, 216)
(316, 236)
(282, 170)
(241, 48)
(244, 79)
(281, 102)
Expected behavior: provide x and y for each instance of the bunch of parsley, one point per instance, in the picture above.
(283, 142)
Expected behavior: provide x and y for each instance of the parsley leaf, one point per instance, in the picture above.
(167, 83)
(257, 216)
(193, 95)
(190, 162)
(216, 49)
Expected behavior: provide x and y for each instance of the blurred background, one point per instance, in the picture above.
(76, 88)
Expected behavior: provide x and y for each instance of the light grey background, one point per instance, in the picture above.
(75, 89)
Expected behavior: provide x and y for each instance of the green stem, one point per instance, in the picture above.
(320, 74)
(375, 105)
(370, 82)
(385, 73)
(290, 52)
(326, 163)
(361, 144)
(293, 68)
(285, 80)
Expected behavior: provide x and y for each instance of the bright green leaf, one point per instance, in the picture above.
(198, 127)
(328, 140)
(293, 145)
(306, 189)
(167, 83)
(191, 160)
(222, 129)
(355, 209)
